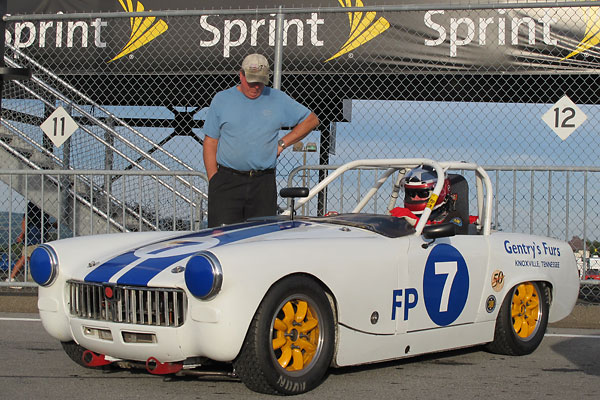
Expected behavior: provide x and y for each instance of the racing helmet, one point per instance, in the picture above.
(418, 185)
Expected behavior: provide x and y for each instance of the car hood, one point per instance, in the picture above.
(159, 263)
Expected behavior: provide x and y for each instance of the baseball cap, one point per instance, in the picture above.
(256, 68)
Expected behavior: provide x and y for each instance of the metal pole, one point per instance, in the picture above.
(303, 175)
(65, 184)
(109, 155)
(585, 247)
(3, 7)
(323, 160)
(277, 64)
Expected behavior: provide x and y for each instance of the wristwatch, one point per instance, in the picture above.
(281, 143)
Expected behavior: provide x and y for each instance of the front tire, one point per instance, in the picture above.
(522, 320)
(76, 353)
(291, 340)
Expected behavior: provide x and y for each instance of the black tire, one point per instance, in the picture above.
(297, 318)
(522, 320)
(75, 353)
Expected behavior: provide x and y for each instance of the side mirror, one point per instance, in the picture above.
(438, 231)
(292, 193)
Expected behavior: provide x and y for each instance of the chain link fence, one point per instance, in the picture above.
(476, 82)
(73, 203)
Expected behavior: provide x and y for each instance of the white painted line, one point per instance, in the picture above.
(21, 319)
(572, 336)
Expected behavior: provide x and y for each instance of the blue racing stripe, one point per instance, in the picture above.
(106, 270)
(141, 274)
(209, 232)
(257, 231)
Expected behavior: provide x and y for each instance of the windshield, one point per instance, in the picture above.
(386, 225)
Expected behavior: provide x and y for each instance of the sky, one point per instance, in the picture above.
(486, 133)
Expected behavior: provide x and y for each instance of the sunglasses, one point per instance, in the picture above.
(420, 193)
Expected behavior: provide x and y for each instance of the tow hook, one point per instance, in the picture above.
(157, 368)
(91, 359)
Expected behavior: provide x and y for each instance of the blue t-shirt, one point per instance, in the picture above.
(248, 129)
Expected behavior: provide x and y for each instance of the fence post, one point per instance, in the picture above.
(277, 64)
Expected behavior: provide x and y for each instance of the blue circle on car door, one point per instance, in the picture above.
(445, 284)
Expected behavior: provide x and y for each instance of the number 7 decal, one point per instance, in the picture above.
(448, 268)
(445, 284)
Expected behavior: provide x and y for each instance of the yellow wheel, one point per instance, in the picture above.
(291, 339)
(297, 338)
(525, 310)
(522, 320)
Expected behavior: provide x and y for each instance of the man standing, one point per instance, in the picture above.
(241, 145)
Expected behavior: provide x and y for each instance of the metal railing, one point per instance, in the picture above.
(538, 200)
(422, 95)
(108, 122)
(71, 210)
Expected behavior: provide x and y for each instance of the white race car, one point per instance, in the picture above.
(284, 298)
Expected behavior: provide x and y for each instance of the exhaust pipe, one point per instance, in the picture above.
(157, 368)
(91, 359)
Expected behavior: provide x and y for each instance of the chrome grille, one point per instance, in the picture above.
(129, 304)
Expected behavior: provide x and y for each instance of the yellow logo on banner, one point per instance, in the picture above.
(143, 29)
(363, 27)
(592, 32)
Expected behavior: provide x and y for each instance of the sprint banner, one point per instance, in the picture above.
(492, 40)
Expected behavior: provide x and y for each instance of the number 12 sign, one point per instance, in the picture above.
(564, 117)
(59, 126)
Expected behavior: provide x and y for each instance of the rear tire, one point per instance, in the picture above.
(289, 345)
(522, 320)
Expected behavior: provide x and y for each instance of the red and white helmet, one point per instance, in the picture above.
(418, 186)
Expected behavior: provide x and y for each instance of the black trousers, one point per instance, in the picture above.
(234, 197)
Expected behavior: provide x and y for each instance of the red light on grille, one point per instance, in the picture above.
(108, 292)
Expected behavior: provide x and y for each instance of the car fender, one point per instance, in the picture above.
(227, 316)
(523, 258)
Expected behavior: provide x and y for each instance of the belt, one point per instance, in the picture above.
(252, 172)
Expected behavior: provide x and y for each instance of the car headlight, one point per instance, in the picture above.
(43, 265)
(203, 275)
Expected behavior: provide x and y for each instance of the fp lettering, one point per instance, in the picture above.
(409, 297)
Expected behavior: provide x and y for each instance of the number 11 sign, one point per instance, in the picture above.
(564, 117)
(59, 126)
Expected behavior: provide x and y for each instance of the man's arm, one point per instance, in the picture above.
(300, 131)
(209, 152)
(21, 236)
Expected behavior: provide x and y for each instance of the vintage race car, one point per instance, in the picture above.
(282, 299)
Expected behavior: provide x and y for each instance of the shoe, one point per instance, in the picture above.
(12, 280)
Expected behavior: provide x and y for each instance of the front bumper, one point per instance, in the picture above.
(142, 322)
(129, 342)
(127, 322)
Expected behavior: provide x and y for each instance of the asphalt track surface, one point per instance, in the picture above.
(566, 365)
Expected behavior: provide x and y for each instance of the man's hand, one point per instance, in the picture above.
(300, 131)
